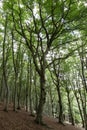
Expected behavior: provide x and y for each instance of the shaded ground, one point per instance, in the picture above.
(21, 120)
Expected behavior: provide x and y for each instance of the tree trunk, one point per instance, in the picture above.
(70, 108)
(42, 99)
(1, 90)
(6, 94)
(27, 86)
(79, 109)
(14, 97)
(4, 68)
(20, 83)
(51, 99)
(60, 105)
(36, 96)
(83, 103)
(30, 88)
(26, 99)
(16, 68)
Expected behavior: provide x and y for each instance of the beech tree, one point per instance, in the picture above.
(44, 26)
(4, 77)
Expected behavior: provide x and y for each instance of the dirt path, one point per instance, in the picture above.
(23, 121)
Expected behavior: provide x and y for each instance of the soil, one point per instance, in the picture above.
(21, 120)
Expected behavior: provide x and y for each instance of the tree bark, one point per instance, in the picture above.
(20, 83)
(79, 108)
(60, 105)
(30, 88)
(4, 68)
(42, 99)
(51, 99)
(70, 108)
(36, 95)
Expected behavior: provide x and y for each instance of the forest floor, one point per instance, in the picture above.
(21, 120)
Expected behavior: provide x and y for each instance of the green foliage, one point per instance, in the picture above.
(50, 32)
